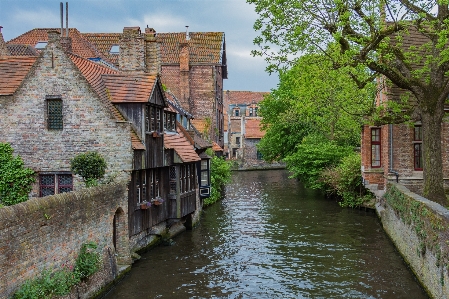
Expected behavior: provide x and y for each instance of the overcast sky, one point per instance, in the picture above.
(234, 17)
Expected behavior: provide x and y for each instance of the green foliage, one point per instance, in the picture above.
(91, 166)
(402, 42)
(88, 261)
(60, 282)
(345, 181)
(314, 155)
(220, 175)
(312, 99)
(47, 285)
(15, 179)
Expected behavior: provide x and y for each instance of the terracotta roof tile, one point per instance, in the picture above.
(80, 45)
(205, 47)
(216, 147)
(126, 88)
(22, 50)
(252, 128)
(103, 42)
(13, 70)
(182, 146)
(243, 97)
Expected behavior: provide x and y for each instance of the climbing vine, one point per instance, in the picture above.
(428, 225)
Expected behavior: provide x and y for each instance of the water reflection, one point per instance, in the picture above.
(272, 238)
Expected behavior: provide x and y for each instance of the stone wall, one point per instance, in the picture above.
(419, 228)
(48, 233)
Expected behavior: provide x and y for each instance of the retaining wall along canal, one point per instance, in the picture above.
(420, 230)
(47, 233)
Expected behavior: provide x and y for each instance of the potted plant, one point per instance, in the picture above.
(145, 205)
(157, 201)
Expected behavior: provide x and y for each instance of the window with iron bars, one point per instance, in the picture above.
(50, 184)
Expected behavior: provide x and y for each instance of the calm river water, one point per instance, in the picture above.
(272, 238)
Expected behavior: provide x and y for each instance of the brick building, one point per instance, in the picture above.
(393, 152)
(59, 104)
(243, 127)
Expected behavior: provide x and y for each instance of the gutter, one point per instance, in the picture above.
(390, 148)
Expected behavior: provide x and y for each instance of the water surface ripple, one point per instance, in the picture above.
(272, 238)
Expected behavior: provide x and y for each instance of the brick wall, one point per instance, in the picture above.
(48, 232)
(88, 124)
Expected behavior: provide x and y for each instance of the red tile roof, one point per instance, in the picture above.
(22, 50)
(103, 42)
(216, 147)
(13, 70)
(182, 146)
(124, 88)
(204, 47)
(80, 45)
(243, 97)
(252, 128)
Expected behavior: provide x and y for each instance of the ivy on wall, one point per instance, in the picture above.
(429, 226)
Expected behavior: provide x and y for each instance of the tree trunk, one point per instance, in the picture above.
(432, 160)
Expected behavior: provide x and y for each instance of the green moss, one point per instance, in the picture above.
(428, 225)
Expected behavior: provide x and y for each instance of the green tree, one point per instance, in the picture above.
(311, 98)
(91, 166)
(15, 179)
(371, 34)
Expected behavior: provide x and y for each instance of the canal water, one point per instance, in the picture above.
(272, 238)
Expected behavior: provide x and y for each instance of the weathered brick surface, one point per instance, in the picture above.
(88, 124)
(48, 233)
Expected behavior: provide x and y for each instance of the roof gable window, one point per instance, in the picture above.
(115, 49)
(40, 45)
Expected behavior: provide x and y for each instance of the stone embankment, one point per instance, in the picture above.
(420, 230)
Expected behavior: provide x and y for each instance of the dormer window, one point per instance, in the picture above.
(40, 45)
(236, 112)
(115, 49)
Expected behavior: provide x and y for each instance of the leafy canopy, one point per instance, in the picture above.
(15, 179)
(405, 41)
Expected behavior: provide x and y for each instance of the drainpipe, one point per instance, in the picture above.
(390, 132)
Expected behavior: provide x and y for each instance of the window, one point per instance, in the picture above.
(375, 147)
(236, 112)
(169, 122)
(237, 140)
(250, 111)
(255, 111)
(205, 172)
(154, 121)
(417, 148)
(115, 49)
(50, 184)
(40, 45)
(259, 155)
(54, 114)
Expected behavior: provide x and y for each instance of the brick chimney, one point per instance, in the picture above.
(152, 53)
(132, 50)
(184, 69)
(3, 49)
(66, 43)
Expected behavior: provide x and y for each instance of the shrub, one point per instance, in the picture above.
(345, 180)
(91, 166)
(219, 176)
(60, 282)
(88, 261)
(15, 179)
(312, 156)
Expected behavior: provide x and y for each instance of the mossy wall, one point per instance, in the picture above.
(48, 232)
(420, 230)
